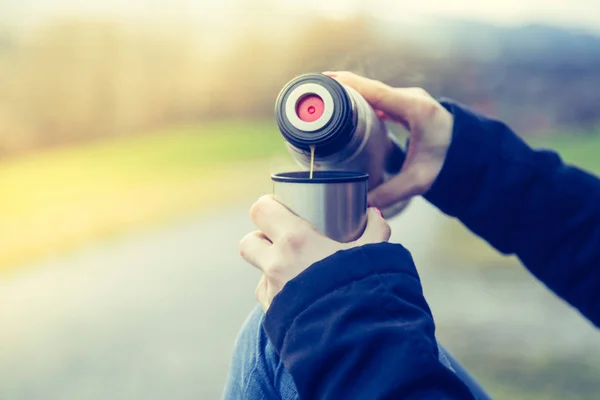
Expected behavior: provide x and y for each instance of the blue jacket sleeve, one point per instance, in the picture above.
(356, 326)
(525, 202)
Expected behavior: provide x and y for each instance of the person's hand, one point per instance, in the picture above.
(430, 129)
(285, 245)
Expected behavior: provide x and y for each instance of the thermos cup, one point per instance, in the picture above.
(334, 202)
(316, 110)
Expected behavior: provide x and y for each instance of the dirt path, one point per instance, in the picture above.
(153, 315)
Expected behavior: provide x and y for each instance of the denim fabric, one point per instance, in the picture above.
(257, 373)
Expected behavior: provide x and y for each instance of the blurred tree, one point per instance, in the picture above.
(75, 80)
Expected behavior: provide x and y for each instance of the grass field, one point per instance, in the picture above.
(582, 150)
(56, 199)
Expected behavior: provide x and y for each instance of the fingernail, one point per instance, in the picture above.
(381, 115)
(379, 211)
(330, 74)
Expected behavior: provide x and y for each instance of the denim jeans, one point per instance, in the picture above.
(257, 373)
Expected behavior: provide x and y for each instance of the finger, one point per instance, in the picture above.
(255, 249)
(396, 103)
(377, 230)
(274, 219)
(395, 208)
(261, 293)
(400, 188)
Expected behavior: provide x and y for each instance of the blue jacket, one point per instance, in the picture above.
(356, 325)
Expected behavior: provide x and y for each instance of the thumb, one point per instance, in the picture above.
(402, 187)
(377, 229)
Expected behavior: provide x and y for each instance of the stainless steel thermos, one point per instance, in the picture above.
(316, 110)
(334, 202)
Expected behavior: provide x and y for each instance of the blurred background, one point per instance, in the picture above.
(135, 135)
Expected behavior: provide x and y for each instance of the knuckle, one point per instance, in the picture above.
(294, 239)
(380, 92)
(275, 273)
(259, 206)
(379, 85)
(418, 91)
(429, 109)
(386, 231)
(382, 87)
(272, 268)
(255, 210)
(243, 246)
(421, 92)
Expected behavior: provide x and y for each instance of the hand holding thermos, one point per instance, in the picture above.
(286, 244)
(430, 131)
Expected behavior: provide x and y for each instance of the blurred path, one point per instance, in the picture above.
(150, 316)
(153, 315)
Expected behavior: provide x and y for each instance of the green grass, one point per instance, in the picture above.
(579, 148)
(460, 245)
(53, 200)
(56, 199)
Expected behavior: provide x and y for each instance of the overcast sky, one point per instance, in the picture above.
(573, 13)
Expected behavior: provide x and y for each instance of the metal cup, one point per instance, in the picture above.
(334, 202)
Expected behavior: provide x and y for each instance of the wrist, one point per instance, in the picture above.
(462, 162)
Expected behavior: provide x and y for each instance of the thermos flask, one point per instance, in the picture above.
(334, 202)
(316, 110)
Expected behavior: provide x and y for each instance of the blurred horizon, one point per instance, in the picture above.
(574, 14)
(75, 72)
